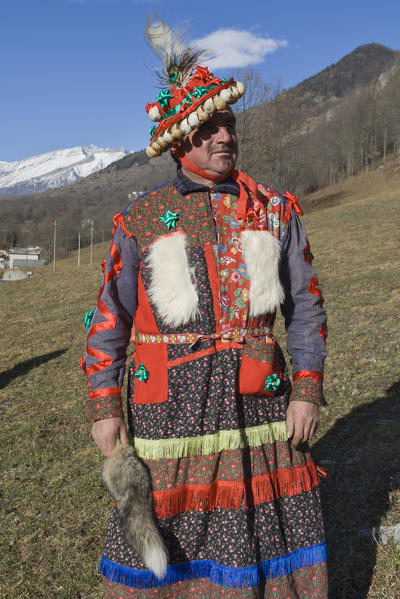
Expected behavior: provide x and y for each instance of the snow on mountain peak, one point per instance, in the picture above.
(54, 169)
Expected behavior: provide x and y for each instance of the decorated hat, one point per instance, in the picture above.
(190, 93)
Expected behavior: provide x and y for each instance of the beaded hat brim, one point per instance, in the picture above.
(188, 114)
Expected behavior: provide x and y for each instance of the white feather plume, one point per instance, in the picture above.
(174, 54)
(162, 39)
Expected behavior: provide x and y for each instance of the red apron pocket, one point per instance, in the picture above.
(151, 376)
(261, 368)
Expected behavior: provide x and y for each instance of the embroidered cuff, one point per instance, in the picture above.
(307, 386)
(108, 406)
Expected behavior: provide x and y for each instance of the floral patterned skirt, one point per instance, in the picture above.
(238, 509)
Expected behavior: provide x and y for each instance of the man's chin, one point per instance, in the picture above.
(223, 163)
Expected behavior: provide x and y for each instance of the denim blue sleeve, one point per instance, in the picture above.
(305, 317)
(110, 328)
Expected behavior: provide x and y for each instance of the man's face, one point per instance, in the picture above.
(213, 146)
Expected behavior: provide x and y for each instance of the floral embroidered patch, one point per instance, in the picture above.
(309, 390)
(102, 408)
(234, 282)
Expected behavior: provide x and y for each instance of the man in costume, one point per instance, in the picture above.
(196, 271)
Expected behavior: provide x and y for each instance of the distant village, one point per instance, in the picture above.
(15, 262)
(12, 260)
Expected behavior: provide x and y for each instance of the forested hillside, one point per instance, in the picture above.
(343, 121)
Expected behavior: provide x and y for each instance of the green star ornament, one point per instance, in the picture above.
(87, 319)
(163, 97)
(169, 219)
(142, 374)
(272, 383)
(199, 91)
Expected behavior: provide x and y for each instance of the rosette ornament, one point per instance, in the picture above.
(142, 374)
(272, 383)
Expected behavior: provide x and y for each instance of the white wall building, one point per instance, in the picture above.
(24, 257)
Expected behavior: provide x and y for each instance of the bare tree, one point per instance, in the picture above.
(257, 92)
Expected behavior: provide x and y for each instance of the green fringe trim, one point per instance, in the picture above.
(254, 436)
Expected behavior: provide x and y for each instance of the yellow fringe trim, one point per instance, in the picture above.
(253, 436)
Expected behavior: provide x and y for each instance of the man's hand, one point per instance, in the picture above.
(302, 421)
(106, 432)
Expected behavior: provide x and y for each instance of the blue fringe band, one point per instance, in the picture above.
(222, 575)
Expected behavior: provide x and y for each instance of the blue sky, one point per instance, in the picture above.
(78, 72)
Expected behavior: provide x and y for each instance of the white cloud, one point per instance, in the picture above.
(237, 48)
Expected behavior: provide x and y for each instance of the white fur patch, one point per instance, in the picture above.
(156, 559)
(261, 251)
(171, 287)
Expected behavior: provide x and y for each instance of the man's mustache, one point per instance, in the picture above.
(229, 149)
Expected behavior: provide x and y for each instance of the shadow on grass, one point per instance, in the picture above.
(361, 452)
(23, 367)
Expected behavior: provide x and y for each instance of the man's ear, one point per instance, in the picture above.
(174, 155)
(176, 152)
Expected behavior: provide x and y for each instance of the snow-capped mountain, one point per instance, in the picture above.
(54, 169)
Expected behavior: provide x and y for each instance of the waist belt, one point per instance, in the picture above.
(237, 335)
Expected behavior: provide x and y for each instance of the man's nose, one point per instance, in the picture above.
(224, 135)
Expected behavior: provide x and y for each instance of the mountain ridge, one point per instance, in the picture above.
(357, 68)
(54, 169)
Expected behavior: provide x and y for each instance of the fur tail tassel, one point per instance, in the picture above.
(128, 481)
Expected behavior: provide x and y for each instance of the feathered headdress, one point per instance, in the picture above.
(192, 94)
(177, 59)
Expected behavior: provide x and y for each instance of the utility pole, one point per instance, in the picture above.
(384, 150)
(54, 246)
(79, 250)
(91, 244)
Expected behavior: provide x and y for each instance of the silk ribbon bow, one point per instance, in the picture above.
(142, 374)
(169, 219)
(272, 382)
(293, 201)
(87, 319)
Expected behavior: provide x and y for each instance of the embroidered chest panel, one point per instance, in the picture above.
(236, 259)
(144, 218)
(202, 267)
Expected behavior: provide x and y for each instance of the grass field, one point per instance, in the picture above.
(54, 506)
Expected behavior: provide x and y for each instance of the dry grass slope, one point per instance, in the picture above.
(54, 506)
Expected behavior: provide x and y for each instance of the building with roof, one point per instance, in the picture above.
(24, 257)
